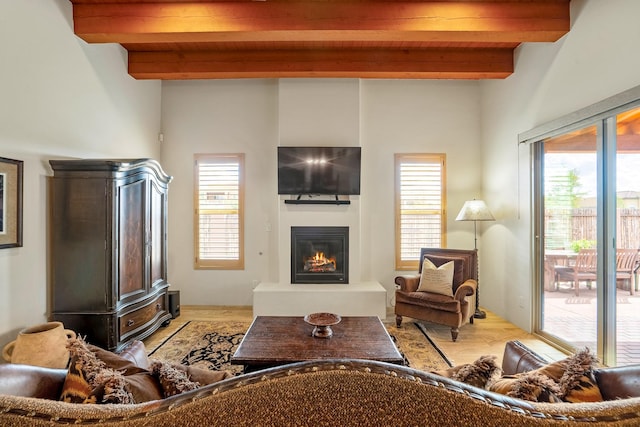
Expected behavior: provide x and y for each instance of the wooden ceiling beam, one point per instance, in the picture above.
(352, 63)
(145, 21)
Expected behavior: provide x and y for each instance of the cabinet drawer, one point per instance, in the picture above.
(140, 317)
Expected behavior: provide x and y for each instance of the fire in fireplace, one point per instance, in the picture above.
(319, 254)
(318, 263)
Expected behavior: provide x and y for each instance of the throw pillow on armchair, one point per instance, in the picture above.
(437, 280)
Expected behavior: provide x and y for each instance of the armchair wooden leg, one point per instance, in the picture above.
(454, 334)
(398, 321)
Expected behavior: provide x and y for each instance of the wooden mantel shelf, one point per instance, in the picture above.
(317, 202)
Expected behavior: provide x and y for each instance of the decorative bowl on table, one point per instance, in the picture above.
(322, 323)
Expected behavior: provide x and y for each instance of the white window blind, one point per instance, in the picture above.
(219, 211)
(420, 206)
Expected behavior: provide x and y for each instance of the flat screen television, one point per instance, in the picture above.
(319, 170)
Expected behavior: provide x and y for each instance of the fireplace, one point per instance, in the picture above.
(319, 254)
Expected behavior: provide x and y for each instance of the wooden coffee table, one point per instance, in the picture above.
(277, 340)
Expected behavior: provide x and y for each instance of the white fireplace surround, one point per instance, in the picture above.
(357, 298)
(333, 215)
(285, 299)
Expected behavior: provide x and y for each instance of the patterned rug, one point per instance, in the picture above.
(419, 351)
(210, 345)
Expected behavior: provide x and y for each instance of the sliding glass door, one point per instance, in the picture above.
(587, 204)
(627, 202)
(569, 200)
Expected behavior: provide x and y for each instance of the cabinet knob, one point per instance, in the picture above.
(158, 306)
(130, 322)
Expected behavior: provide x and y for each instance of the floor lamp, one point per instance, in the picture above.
(476, 210)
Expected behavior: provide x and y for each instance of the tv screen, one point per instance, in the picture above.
(319, 170)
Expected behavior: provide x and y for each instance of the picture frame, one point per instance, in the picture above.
(11, 174)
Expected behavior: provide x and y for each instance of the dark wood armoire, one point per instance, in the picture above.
(108, 248)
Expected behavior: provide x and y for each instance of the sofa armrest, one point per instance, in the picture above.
(136, 353)
(466, 289)
(408, 282)
(519, 358)
(620, 382)
(31, 381)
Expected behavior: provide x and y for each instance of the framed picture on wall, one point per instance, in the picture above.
(10, 203)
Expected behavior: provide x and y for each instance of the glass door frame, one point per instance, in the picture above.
(603, 116)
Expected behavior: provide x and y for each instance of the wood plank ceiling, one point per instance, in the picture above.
(392, 39)
(584, 140)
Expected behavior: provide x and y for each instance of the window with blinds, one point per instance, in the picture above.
(219, 216)
(419, 206)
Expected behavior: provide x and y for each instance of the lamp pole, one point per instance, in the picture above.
(476, 210)
(475, 235)
(479, 314)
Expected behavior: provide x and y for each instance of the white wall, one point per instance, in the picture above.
(59, 97)
(224, 116)
(596, 60)
(255, 116)
(413, 116)
(319, 112)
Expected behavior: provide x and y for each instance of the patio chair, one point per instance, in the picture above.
(559, 267)
(626, 266)
(583, 270)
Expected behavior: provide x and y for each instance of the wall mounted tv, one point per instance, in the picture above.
(319, 170)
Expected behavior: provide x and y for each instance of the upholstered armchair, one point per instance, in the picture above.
(455, 310)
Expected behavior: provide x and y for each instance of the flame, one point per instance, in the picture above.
(319, 258)
(320, 262)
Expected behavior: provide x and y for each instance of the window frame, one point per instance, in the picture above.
(219, 264)
(431, 158)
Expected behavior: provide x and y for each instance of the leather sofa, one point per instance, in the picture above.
(614, 382)
(47, 383)
(327, 393)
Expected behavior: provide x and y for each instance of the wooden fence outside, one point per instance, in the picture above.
(564, 226)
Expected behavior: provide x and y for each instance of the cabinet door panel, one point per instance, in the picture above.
(80, 265)
(157, 230)
(131, 239)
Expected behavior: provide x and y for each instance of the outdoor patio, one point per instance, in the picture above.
(574, 317)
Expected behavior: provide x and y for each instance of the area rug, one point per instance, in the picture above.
(419, 351)
(210, 345)
(205, 344)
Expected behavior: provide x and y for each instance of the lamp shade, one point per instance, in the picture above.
(475, 210)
